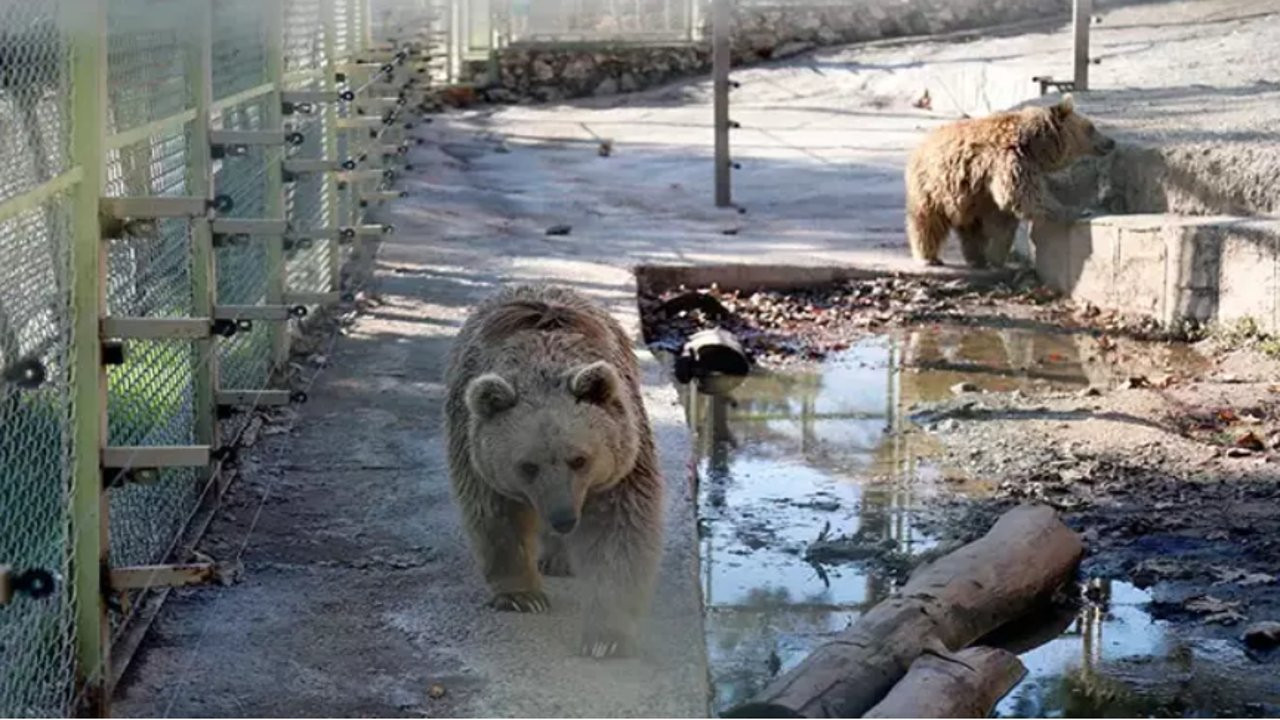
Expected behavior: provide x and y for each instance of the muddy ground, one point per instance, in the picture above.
(1162, 448)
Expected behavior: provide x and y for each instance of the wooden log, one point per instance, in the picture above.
(967, 684)
(945, 606)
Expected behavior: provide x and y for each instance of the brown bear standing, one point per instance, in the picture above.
(981, 177)
(550, 450)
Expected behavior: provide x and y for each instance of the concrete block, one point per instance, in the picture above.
(1213, 269)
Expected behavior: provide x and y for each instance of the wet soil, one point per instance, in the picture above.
(888, 421)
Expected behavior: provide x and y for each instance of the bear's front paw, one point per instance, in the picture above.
(605, 644)
(524, 602)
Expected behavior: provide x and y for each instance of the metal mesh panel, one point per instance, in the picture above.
(37, 642)
(239, 46)
(307, 204)
(342, 40)
(36, 636)
(307, 197)
(33, 82)
(150, 399)
(303, 35)
(242, 264)
(147, 52)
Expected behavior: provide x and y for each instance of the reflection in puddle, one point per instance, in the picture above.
(798, 454)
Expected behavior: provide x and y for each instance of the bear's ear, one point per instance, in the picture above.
(597, 383)
(489, 395)
(1065, 106)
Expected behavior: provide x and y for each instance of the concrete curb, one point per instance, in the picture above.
(1211, 269)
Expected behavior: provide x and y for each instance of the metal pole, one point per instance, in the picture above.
(1083, 12)
(204, 284)
(86, 23)
(720, 60)
(275, 201)
(333, 215)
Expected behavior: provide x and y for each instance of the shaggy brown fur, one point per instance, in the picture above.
(980, 177)
(547, 430)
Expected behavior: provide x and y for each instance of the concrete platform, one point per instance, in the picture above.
(1212, 269)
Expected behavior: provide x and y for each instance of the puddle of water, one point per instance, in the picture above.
(801, 454)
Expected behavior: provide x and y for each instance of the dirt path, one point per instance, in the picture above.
(359, 593)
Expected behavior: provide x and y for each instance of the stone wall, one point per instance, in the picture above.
(760, 32)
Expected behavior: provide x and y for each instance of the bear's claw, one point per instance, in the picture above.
(523, 602)
(555, 566)
(604, 645)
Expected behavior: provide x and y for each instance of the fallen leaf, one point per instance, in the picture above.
(1226, 415)
(1137, 381)
(1251, 441)
(435, 692)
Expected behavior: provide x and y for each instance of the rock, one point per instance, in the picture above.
(578, 69)
(560, 229)
(627, 83)
(1090, 392)
(607, 87)
(964, 387)
(1262, 635)
(791, 49)
(1154, 570)
(543, 71)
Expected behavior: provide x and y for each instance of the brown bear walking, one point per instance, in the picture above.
(550, 449)
(982, 176)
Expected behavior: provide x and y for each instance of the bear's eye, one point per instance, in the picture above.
(528, 470)
(577, 462)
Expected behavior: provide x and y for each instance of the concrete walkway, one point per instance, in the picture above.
(359, 593)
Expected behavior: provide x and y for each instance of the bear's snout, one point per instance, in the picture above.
(1104, 145)
(564, 521)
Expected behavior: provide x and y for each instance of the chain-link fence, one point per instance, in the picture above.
(135, 326)
(37, 641)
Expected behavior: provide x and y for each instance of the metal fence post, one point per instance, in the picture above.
(328, 12)
(1082, 11)
(86, 23)
(277, 273)
(721, 57)
(200, 184)
(366, 24)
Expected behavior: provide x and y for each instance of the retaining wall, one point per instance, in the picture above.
(760, 32)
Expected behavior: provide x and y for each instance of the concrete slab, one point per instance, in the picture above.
(1212, 269)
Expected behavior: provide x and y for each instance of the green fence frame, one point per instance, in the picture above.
(192, 179)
